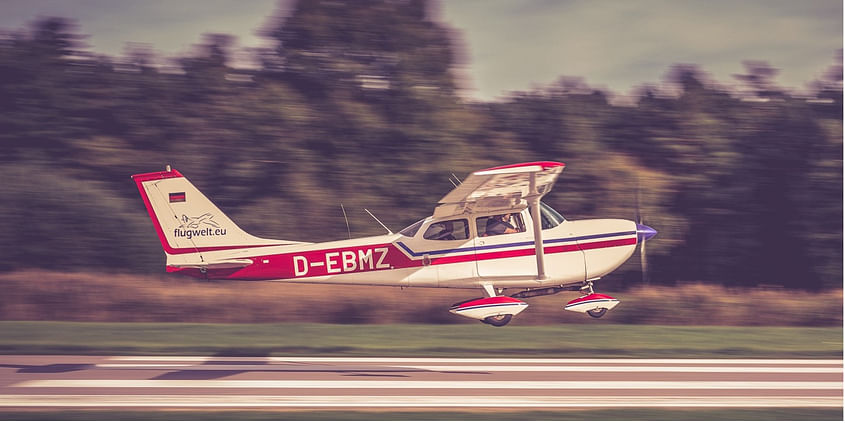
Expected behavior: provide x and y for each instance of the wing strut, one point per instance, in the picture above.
(511, 188)
(533, 198)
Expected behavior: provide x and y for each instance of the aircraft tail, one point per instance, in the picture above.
(186, 221)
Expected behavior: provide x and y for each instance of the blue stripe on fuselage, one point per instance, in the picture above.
(514, 244)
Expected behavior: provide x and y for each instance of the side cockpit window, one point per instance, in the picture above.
(500, 224)
(448, 230)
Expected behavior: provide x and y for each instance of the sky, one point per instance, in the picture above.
(515, 45)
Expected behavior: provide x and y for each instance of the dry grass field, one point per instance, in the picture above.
(42, 295)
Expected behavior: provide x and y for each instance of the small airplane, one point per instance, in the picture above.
(491, 233)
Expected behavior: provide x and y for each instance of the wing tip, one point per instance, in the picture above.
(152, 176)
(522, 167)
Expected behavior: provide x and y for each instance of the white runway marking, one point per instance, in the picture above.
(623, 369)
(140, 365)
(419, 384)
(483, 360)
(413, 382)
(271, 401)
(498, 364)
(508, 368)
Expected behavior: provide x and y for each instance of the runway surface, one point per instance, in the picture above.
(413, 383)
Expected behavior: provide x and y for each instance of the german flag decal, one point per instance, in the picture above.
(177, 197)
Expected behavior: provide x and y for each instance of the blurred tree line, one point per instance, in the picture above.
(359, 104)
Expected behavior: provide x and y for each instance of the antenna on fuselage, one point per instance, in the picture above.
(379, 222)
(347, 221)
(456, 179)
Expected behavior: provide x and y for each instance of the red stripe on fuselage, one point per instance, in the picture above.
(326, 262)
(505, 254)
(608, 244)
(367, 258)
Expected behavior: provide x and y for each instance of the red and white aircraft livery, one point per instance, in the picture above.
(491, 232)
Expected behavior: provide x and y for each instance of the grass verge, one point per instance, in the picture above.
(418, 340)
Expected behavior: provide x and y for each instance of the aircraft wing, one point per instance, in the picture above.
(500, 188)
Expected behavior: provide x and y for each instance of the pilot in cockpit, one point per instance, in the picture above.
(446, 233)
(499, 224)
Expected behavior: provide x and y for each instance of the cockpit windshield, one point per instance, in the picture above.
(550, 216)
(411, 230)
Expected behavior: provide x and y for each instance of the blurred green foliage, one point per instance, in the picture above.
(116, 297)
(359, 104)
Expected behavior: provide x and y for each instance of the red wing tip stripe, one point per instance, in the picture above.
(154, 176)
(544, 165)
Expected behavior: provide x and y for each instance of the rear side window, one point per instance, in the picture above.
(448, 230)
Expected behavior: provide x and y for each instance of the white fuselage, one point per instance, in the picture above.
(574, 251)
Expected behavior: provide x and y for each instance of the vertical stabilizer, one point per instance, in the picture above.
(186, 220)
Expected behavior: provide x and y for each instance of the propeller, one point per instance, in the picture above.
(644, 233)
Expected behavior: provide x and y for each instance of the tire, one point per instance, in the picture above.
(499, 320)
(597, 313)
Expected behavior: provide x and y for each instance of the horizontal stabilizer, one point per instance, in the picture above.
(222, 264)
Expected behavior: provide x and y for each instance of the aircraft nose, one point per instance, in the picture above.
(645, 233)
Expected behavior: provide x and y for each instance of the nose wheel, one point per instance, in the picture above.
(595, 305)
(597, 312)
